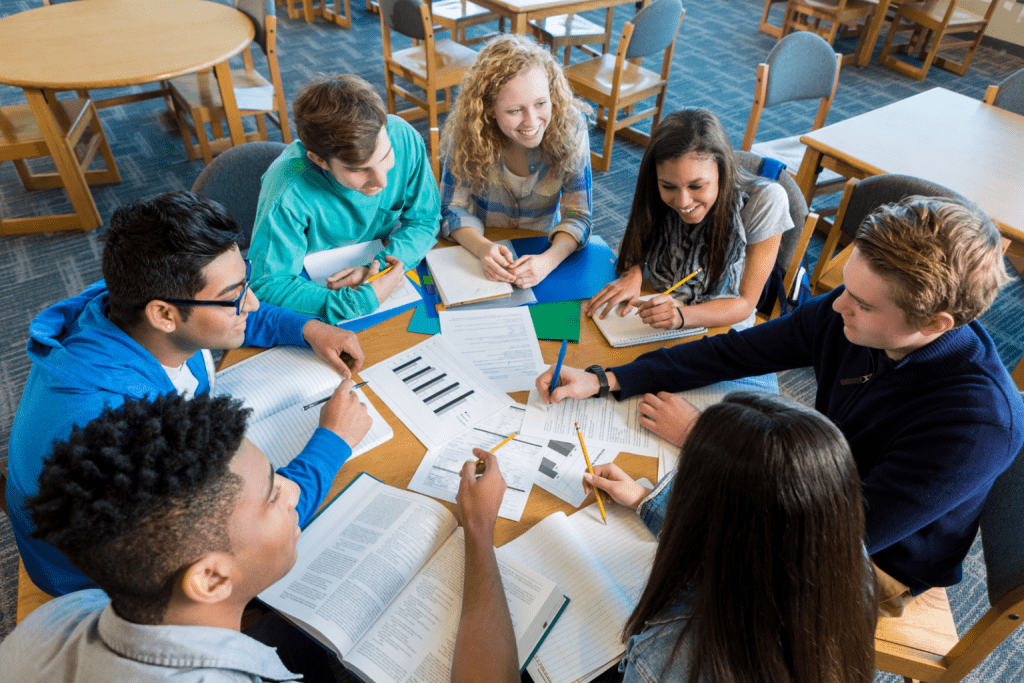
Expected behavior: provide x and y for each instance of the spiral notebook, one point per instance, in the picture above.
(630, 330)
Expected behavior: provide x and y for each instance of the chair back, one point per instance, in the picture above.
(1010, 95)
(797, 204)
(1002, 531)
(403, 16)
(654, 28)
(801, 66)
(258, 11)
(874, 191)
(233, 179)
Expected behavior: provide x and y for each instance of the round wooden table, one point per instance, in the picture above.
(115, 43)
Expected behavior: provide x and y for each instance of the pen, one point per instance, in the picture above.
(590, 468)
(558, 365)
(480, 463)
(325, 399)
(684, 280)
(371, 279)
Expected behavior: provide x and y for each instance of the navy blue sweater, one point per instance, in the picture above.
(930, 432)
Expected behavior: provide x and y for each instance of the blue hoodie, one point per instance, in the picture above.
(81, 364)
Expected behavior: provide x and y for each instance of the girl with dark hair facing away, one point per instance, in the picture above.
(695, 208)
(517, 155)
(760, 573)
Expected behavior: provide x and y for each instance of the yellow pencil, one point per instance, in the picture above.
(480, 463)
(390, 267)
(683, 281)
(590, 468)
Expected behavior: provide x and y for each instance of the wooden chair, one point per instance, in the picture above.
(573, 30)
(766, 28)
(1009, 94)
(233, 179)
(303, 8)
(458, 15)
(21, 139)
(861, 197)
(197, 99)
(433, 65)
(931, 23)
(801, 66)
(30, 596)
(807, 15)
(618, 81)
(923, 643)
(794, 242)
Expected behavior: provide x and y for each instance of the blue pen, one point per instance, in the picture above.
(558, 365)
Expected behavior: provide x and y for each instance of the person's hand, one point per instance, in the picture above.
(661, 312)
(345, 415)
(531, 269)
(351, 277)
(495, 259)
(388, 283)
(479, 498)
(340, 348)
(572, 383)
(617, 484)
(626, 288)
(668, 416)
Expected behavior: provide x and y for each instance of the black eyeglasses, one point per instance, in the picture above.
(238, 303)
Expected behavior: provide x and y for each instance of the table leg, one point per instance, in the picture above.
(71, 173)
(807, 176)
(227, 97)
(518, 23)
(873, 27)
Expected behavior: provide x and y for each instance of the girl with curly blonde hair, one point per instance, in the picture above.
(517, 155)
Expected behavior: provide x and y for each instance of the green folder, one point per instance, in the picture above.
(558, 321)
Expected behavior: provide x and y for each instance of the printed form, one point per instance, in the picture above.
(501, 343)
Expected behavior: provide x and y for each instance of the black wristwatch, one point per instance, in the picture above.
(602, 377)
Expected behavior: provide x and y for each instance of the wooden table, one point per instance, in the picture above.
(115, 43)
(945, 137)
(521, 12)
(396, 461)
(873, 27)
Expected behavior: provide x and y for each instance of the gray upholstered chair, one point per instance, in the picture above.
(912, 645)
(794, 242)
(618, 81)
(1009, 94)
(233, 179)
(859, 199)
(801, 66)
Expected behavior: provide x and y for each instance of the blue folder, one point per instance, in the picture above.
(580, 276)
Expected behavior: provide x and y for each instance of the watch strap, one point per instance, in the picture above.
(602, 377)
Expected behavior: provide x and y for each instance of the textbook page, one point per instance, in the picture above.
(355, 557)
(460, 278)
(602, 570)
(615, 423)
(414, 640)
(276, 384)
(501, 343)
(435, 390)
(439, 472)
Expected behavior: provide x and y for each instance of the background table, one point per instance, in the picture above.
(942, 136)
(115, 43)
(521, 12)
(396, 461)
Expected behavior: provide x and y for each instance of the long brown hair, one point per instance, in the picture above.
(681, 132)
(763, 535)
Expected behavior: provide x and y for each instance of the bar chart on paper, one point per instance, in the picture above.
(435, 390)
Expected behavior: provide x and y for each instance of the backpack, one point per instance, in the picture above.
(773, 288)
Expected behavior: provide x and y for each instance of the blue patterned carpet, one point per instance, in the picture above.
(714, 67)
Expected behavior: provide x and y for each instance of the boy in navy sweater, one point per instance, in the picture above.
(903, 368)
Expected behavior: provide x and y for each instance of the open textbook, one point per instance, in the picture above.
(276, 384)
(378, 581)
(603, 570)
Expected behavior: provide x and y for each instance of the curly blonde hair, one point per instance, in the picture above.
(475, 159)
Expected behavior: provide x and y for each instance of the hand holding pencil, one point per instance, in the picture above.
(590, 469)
(662, 311)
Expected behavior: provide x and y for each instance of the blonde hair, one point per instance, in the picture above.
(475, 158)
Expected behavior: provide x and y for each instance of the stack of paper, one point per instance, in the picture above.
(460, 278)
